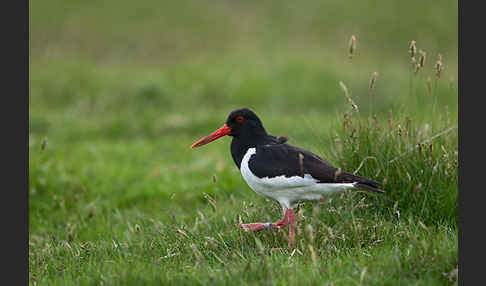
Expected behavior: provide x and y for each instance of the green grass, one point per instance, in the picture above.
(117, 96)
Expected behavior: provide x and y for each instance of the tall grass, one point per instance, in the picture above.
(101, 215)
(116, 198)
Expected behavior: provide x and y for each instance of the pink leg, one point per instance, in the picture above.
(255, 226)
(288, 218)
(291, 219)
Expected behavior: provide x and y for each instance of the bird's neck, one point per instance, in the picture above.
(241, 144)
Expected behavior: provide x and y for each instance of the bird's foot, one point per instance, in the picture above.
(256, 226)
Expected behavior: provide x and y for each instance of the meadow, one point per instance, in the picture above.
(119, 91)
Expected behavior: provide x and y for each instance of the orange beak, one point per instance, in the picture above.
(225, 130)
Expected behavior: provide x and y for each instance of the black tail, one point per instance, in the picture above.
(363, 183)
(368, 187)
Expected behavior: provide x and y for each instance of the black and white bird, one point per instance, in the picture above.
(280, 171)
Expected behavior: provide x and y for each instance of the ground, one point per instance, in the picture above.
(118, 94)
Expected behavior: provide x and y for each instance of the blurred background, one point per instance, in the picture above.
(119, 89)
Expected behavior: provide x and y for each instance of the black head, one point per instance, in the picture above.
(240, 123)
(244, 121)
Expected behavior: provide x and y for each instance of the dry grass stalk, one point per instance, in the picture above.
(348, 121)
(240, 221)
(417, 68)
(407, 125)
(212, 241)
(300, 214)
(372, 82)
(422, 225)
(425, 141)
(421, 61)
(438, 66)
(182, 232)
(412, 49)
(361, 164)
(211, 201)
(245, 208)
(413, 61)
(390, 119)
(409, 178)
(346, 93)
(377, 125)
(195, 251)
(362, 276)
(361, 204)
(313, 254)
(352, 46)
(434, 170)
(301, 164)
(203, 219)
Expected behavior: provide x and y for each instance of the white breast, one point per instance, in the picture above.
(288, 190)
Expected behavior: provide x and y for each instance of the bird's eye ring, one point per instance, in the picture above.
(239, 119)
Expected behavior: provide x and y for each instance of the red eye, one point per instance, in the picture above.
(239, 119)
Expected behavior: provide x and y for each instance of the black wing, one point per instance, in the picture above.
(274, 160)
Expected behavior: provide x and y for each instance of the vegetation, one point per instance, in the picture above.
(119, 92)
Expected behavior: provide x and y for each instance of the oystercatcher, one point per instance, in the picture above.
(280, 171)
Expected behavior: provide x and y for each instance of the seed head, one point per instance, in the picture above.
(421, 61)
(413, 61)
(346, 93)
(372, 82)
(377, 126)
(412, 49)
(407, 125)
(211, 201)
(301, 164)
(431, 152)
(352, 46)
(438, 66)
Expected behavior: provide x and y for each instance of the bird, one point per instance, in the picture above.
(281, 172)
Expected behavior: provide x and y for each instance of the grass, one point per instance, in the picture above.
(117, 198)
